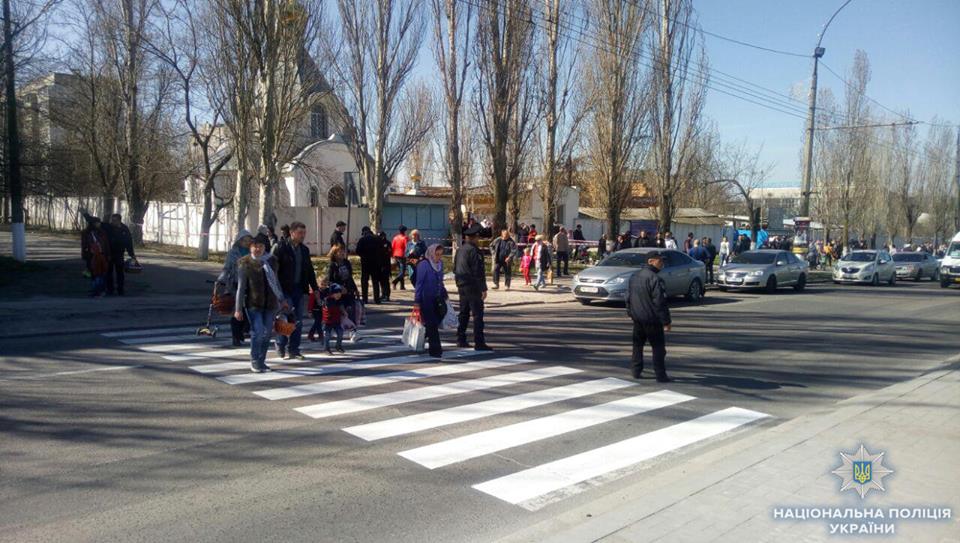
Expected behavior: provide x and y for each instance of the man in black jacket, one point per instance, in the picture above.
(297, 277)
(336, 238)
(121, 241)
(502, 250)
(470, 273)
(369, 249)
(647, 306)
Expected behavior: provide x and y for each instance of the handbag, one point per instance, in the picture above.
(414, 335)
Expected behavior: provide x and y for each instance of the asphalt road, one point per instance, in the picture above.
(118, 439)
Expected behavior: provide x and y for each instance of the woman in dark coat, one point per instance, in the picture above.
(95, 250)
(429, 293)
(340, 272)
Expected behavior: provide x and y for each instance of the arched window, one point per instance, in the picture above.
(318, 123)
(314, 197)
(336, 197)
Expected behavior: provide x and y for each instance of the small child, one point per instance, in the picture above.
(316, 310)
(525, 265)
(332, 317)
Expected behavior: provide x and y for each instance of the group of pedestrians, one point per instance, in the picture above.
(103, 247)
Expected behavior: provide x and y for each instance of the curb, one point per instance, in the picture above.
(609, 514)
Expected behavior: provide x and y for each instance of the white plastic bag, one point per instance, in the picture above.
(414, 335)
(450, 320)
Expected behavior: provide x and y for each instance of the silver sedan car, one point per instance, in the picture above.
(766, 268)
(607, 281)
(916, 266)
(871, 267)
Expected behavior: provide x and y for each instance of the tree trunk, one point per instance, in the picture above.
(107, 205)
(206, 221)
(266, 201)
(14, 174)
(138, 210)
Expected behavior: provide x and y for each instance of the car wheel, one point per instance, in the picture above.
(772, 284)
(801, 283)
(917, 277)
(583, 301)
(695, 291)
(722, 289)
(893, 279)
(876, 280)
(936, 275)
(944, 282)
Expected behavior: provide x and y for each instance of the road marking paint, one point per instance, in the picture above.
(532, 483)
(463, 413)
(230, 353)
(382, 379)
(194, 337)
(73, 372)
(478, 444)
(331, 409)
(310, 357)
(174, 347)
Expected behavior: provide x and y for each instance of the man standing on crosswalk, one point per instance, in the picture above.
(647, 306)
(470, 273)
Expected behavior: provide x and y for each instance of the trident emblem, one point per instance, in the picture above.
(862, 472)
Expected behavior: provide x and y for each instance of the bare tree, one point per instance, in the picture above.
(272, 84)
(502, 106)
(451, 47)
(739, 171)
(940, 191)
(377, 51)
(678, 93)
(909, 183)
(179, 44)
(616, 83)
(562, 112)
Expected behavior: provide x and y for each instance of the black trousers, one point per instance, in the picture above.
(433, 339)
(367, 274)
(383, 278)
(564, 257)
(115, 275)
(470, 303)
(505, 268)
(642, 333)
(709, 266)
(401, 272)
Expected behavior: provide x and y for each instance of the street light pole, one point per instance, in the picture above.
(818, 52)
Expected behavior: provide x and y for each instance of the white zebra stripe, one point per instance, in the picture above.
(463, 413)
(382, 379)
(331, 409)
(473, 445)
(538, 481)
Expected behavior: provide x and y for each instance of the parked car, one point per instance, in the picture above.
(916, 266)
(870, 267)
(950, 265)
(766, 268)
(607, 281)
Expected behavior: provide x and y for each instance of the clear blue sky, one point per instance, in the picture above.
(913, 47)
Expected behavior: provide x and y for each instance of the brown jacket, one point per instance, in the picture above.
(253, 292)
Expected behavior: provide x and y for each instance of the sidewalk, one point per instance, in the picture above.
(729, 494)
(51, 296)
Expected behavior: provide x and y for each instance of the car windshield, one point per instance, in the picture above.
(754, 258)
(629, 260)
(868, 256)
(954, 250)
(908, 257)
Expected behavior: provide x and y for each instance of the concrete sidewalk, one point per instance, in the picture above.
(730, 493)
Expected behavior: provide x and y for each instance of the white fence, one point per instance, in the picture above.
(179, 223)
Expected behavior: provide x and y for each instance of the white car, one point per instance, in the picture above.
(870, 267)
(950, 265)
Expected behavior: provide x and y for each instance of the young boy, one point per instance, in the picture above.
(332, 317)
(525, 265)
(316, 310)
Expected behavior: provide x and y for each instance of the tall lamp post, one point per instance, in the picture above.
(818, 52)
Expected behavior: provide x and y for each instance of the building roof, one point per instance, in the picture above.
(775, 192)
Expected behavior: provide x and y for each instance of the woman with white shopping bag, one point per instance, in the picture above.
(430, 297)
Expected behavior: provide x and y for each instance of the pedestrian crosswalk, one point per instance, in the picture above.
(467, 406)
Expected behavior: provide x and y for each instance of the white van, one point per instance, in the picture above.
(950, 265)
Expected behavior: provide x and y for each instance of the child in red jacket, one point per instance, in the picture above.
(333, 317)
(525, 265)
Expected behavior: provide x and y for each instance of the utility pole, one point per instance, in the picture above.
(818, 52)
(14, 178)
(811, 126)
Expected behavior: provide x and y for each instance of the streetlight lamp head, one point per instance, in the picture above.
(819, 51)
